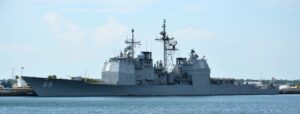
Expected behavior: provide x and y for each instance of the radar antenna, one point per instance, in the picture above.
(169, 47)
(132, 43)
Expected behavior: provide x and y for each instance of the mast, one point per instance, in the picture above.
(132, 43)
(169, 45)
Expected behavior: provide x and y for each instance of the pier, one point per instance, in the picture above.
(17, 92)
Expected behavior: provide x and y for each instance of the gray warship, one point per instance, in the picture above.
(127, 75)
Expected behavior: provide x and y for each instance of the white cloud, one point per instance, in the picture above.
(111, 31)
(69, 32)
(64, 29)
(194, 34)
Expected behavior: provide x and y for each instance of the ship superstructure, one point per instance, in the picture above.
(125, 69)
(126, 74)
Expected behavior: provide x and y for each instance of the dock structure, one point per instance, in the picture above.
(17, 92)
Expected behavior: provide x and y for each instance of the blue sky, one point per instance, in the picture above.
(241, 39)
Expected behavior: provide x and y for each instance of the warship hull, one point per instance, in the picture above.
(45, 87)
(130, 75)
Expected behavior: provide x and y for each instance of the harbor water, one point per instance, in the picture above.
(257, 104)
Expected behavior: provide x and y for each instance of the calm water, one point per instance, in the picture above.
(279, 104)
